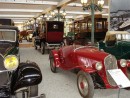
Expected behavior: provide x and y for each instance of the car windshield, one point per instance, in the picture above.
(7, 35)
(123, 37)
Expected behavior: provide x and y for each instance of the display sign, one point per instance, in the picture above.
(120, 15)
(119, 77)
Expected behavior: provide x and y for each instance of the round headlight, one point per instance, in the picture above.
(11, 62)
(98, 66)
(123, 63)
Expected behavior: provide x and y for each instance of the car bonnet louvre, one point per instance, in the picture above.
(2, 63)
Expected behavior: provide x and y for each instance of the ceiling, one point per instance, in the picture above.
(23, 10)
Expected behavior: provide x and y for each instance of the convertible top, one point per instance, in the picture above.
(9, 27)
(113, 34)
(116, 32)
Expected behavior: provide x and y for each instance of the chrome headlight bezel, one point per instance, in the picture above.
(123, 63)
(11, 62)
(98, 66)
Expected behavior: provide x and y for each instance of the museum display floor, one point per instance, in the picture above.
(62, 84)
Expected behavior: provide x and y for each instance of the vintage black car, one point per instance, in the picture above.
(9, 40)
(16, 77)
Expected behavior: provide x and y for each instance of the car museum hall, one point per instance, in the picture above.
(65, 48)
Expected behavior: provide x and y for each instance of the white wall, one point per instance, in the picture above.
(119, 5)
(20, 26)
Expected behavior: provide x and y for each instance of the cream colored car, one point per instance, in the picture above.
(30, 35)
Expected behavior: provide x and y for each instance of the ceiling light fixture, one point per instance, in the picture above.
(93, 6)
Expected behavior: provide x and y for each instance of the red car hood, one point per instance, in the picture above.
(90, 52)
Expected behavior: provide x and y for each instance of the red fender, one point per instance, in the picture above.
(56, 58)
(124, 69)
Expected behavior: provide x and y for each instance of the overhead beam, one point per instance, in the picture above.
(53, 7)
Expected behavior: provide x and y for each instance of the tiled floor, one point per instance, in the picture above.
(63, 83)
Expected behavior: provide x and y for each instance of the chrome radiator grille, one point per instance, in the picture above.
(3, 75)
(110, 63)
(2, 63)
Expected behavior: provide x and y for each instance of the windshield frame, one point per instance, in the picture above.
(9, 30)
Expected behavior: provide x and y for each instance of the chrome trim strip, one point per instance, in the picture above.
(107, 74)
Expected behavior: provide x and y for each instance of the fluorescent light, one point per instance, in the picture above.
(80, 5)
(75, 4)
(16, 15)
(105, 14)
(73, 12)
(18, 22)
(68, 16)
(31, 2)
(107, 7)
(20, 10)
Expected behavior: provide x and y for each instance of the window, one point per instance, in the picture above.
(55, 26)
(7, 35)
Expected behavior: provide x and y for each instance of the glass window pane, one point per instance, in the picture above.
(7, 35)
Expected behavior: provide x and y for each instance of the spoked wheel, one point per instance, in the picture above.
(85, 85)
(42, 48)
(52, 64)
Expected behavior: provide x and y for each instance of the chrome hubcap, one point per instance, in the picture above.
(83, 85)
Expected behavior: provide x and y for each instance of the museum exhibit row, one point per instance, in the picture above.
(64, 49)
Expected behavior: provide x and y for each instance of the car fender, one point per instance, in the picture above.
(89, 70)
(55, 55)
(124, 69)
(27, 74)
(128, 63)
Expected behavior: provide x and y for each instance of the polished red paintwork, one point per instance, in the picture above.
(82, 57)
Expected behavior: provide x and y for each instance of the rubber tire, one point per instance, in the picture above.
(90, 84)
(33, 91)
(42, 48)
(62, 44)
(53, 69)
(36, 47)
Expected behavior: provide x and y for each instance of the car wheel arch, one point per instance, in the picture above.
(54, 54)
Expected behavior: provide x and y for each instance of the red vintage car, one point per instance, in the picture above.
(92, 65)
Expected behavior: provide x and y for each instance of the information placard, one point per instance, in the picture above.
(119, 77)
